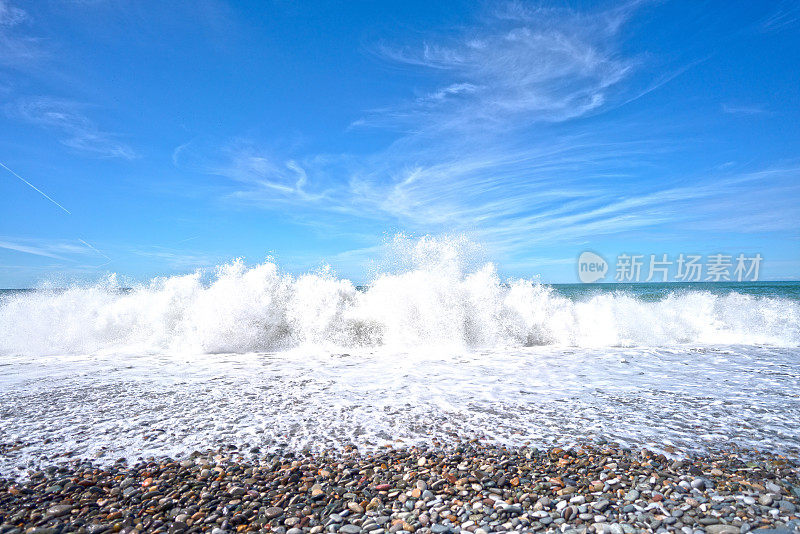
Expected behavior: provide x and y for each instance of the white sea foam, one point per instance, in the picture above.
(437, 345)
(431, 295)
(105, 406)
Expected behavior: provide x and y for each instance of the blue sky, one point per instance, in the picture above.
(176, 135)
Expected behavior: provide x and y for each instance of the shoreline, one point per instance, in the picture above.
(467, 487)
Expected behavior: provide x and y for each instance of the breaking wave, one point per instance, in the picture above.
(432, 295)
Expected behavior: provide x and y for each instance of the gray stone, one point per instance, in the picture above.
(787, 506)
(600, 505)
(773, 488)
(273, 512)
(58, 510)
(632, 495)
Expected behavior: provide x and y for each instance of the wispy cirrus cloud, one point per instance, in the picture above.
(519, 66)
(175, 259)
(65, 250)
(743, 109)
(516, 197)
(783, 16)
(11, 15)
(17, 49)
(75, 129)
(557, 192)
(515, 67)
(26, 53)
(264, 174)
(493, 146)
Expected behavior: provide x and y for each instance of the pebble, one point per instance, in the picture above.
(464, 488)
(773, 488)
(632, 495)
(273, 512)
(600, 505)
(59, 509)
(355, 507)
(786, 506)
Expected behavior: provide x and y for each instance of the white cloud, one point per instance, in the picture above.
(784, 15)
(267, 178)
(740, 109)
(514, 68)
(460, 164)
(25, 53)
(10, 15)
(76, 130)
(28, 249)
(519, 67)
(177, 259)
(49, 248)
(16, 49)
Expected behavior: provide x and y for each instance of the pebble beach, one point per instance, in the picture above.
(466, 487)
(515, 267)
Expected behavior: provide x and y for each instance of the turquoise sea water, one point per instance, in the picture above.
(645, 291)
(656, 291)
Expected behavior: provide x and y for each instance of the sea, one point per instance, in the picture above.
(249, 358)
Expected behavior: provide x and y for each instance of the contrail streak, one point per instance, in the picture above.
(60, 206)
(92, 247)
(36, 188)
